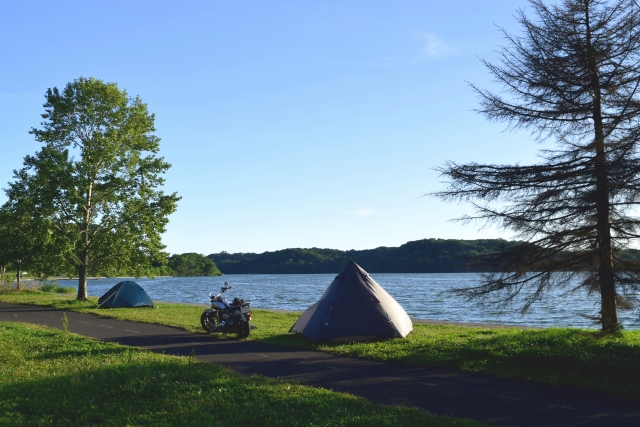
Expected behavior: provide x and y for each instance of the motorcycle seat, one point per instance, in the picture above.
(237, 302)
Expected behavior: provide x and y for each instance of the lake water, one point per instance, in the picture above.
(421, 295)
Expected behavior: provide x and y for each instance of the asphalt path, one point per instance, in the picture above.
(437, 390)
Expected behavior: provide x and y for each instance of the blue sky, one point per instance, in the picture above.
(288, 123)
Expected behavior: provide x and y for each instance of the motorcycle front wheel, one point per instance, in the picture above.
(206, 321)
(244, 329)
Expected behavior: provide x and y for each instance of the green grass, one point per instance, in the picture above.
(53, 287)
(558, 356)
(52, 378)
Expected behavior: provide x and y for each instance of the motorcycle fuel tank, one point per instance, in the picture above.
(218, 305)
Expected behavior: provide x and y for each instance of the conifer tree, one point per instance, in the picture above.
(572, 77)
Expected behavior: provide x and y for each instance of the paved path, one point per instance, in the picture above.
(437, 390)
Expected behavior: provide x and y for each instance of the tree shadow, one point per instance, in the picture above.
(179, 391)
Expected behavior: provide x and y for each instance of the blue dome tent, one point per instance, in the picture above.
(125, 295)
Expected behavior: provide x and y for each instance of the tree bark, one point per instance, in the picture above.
(18, 277)
(82, 278)
(84, 255)
(609, 313)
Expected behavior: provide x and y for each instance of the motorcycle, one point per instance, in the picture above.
(225, 317)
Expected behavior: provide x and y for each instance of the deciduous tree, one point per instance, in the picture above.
(97, 181)
(23, 240)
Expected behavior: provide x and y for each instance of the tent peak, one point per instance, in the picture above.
(354, 306)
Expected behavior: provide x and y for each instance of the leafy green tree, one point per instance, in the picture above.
(5, 246)
(572, 76)
(23, 239)
(193, 264)
(97, 181)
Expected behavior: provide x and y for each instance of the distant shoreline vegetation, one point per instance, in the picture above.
(419, 256)
(189, 264)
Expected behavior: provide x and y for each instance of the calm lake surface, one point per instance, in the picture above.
(421, 295)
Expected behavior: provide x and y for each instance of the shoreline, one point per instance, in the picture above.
(414, 320)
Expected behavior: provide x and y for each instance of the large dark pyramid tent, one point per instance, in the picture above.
(125, 295)
(354, 308)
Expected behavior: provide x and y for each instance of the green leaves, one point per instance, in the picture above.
(192, 264)
(97, 181)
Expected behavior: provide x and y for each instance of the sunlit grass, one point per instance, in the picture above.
(559, 356)
(555, 356)
(48, 377)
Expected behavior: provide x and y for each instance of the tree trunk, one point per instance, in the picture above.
(608, 309)
(83, 268)
(82, 278)
(18, 277)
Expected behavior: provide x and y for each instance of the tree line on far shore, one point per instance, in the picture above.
(189, 264)
(179, 265)
(419, 256)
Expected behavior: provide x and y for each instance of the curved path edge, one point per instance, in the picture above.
(437, 390)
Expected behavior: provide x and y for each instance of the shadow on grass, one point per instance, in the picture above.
(119, 386)
(555, 356)
(289, 340)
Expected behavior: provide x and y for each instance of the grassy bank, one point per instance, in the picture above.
(557, 356)
(48, 377)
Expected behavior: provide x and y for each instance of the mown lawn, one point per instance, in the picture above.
(558, 356)
(52, 378)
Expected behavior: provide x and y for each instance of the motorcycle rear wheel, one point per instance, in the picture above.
(244, 329)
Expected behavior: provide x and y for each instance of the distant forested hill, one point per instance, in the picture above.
(192, 264)
(420, 256)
